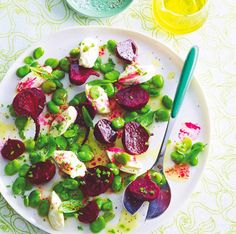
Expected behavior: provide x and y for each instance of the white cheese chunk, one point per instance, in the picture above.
(32, 80)
(69, 163)
(132, 166)
(101, 102)
(89, 51)
(63, 121)
(55, 216)
(136, 74)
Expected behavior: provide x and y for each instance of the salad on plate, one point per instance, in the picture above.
(85, 148)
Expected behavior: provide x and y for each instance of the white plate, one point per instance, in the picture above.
(194, 110)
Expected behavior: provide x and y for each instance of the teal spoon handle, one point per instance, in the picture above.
(185, 79)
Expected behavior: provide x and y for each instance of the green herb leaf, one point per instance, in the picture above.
(146, 119)
(87, 118)
(41, 72)
(70, 206)
(100, 82)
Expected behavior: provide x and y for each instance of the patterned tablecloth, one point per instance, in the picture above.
(212, 206)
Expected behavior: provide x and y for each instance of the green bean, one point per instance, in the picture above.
(108, 216)
(85, 156)
(112, 75)
(154, 92)
(58, 188)
(18, 187)
(75, 52)
(12, 167)
(99, 202)
(38, 52)
(26, 201)
(34, 198)
(107, 205)
(24, 169)
(61, 142)
(113, 168)
(29, 145)
(162, 115)
(70, 184)
(130, 116)
(58, 74)
(48, 86)
(167, 102)
(177, 157)
(118, 123)
(158, 81)
(87, 118)
(122, 158)
(65, 64)
(145, 109)
(28, 60)
(109, 89)
(117, 183)
(35, 64)
(98, 225)
(52, 62)
(43, 208)
(23, 71)
(41, 141)
(11, 111)
(60, 97)
(107, 67)
(111, 46)
(77, 99)
(97, 64)
(53, 108)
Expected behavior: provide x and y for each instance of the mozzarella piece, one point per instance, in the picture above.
(55, 216)
(132, 166)
(63, 121)
(89, 51)
(32, 80)
(69, 163)
(135, 74)
(101, 104)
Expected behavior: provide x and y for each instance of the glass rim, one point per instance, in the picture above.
(178, 14)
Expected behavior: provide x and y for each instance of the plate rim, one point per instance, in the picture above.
(178, 61)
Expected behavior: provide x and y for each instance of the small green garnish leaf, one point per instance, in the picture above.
(87, 118)
(99, 82)
(41, 72)
(70, 206)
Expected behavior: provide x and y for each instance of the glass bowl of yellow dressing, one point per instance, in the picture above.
(180, 16)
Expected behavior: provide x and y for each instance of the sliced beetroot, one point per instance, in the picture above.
(30, 103)
(80, 120)
(104, 133)
(12, 149)
(135, 138)
(79, 75)
(96, 181)
(42, 172)
(127, 50)
(89, 213)
(144, 189)
(132, 98)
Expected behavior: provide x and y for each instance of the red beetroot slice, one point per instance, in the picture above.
(41, 172)
(132, 98)
(89, 213)
(96, 181)
(135, 138)
(104, 133)
(127, 50)
(30, 103)
(80, 120)
(79, 75)
(12, 149)
(144, 189)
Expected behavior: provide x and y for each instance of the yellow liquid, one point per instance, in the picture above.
(180, 16)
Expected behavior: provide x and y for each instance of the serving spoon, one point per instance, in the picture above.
(161, 203)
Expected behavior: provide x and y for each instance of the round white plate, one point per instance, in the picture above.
(167, 63)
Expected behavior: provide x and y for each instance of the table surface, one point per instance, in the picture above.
(212, 206)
